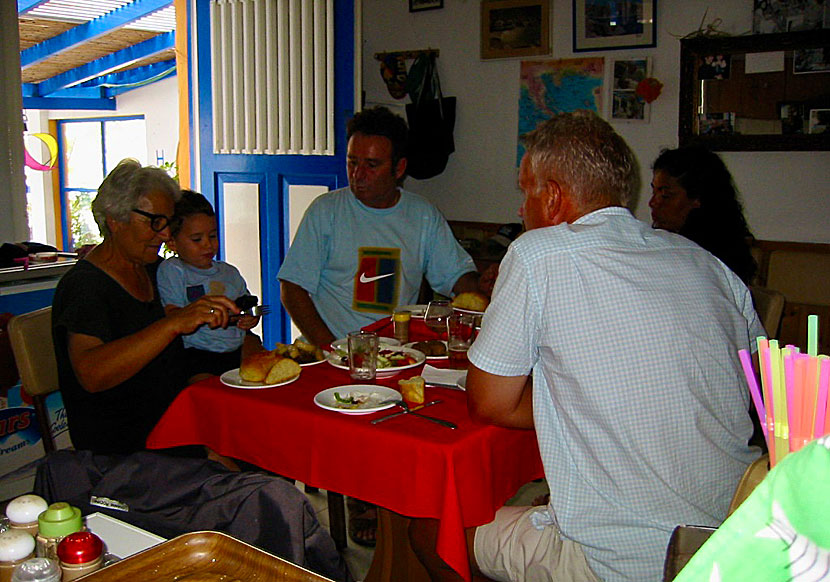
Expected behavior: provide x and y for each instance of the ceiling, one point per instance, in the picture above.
(81, 54)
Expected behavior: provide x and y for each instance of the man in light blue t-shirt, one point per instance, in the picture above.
(363, 250)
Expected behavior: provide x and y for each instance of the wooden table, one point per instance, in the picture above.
(407, 465)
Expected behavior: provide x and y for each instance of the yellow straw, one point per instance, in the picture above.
(779, 400)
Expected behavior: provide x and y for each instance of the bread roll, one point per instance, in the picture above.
(472, 300)
(283, 370)
(255, 367)
(412, 389)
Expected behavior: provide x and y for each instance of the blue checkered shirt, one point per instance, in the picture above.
(639, 401)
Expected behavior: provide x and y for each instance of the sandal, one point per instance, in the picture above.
(363, 523)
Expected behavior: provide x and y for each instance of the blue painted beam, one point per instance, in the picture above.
(33, 90)
(68, 103)
(132, 77)
(89, 30)
(108, 63)
(24, 6)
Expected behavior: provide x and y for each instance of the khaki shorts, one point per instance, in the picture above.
(510, 549)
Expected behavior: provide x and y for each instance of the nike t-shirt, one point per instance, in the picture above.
(358, 263)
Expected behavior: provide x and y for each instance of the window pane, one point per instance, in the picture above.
(125, 139)
(82, 154)
(81, 223)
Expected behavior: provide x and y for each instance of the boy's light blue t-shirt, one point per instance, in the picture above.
(180, 284)
(358, 263)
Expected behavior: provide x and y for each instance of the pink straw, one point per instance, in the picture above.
(793, 392)
(755, 392)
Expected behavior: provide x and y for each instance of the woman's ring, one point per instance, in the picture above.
(212, 311)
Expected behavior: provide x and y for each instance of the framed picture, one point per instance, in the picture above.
(716, 123)
(603, 25)
(419, 5)
(812, 60)
(788, 15)
(792, 117)
(515, 28)
(819, 121)
(714, 67)
(626, 105)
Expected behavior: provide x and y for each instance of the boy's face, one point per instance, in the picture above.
(198, 241)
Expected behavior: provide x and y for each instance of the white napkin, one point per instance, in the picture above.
(443, 376)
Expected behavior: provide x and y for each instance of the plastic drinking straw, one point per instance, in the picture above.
(812, 335)
(766, 386)
(822, 427)
(754, 390)
(791, 390)
(781, 429)
(805, 398)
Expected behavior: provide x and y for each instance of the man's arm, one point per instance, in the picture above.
(502, 400)
(467, 282)
(301, 308)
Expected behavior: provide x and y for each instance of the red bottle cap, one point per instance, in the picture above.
(79, 548)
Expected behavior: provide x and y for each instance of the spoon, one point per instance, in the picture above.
(407, 410)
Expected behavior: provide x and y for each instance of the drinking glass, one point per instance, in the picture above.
(437, 314)
(461, 326)
(363, 355)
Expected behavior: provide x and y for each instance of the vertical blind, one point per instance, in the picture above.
(273, 76)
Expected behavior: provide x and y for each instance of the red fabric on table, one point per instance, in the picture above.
(418, 331)
(408, 465)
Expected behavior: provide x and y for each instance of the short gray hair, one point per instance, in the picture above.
(123, 189)
(587, 155)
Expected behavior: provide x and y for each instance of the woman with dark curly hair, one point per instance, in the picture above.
(693, 194)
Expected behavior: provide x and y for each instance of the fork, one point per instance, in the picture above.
(442, 422)
(254, 311)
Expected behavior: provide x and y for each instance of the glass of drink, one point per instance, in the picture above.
(437, 314)
(363, 355)
(459, 339)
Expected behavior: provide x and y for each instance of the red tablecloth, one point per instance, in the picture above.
(408, 465)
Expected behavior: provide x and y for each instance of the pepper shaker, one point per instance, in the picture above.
(23, 512)
(54, 524)
(80, 553)
(16, 546)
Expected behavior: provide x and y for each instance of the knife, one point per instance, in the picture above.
(415, 408)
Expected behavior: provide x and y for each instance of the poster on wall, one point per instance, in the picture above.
(789, 15)
(547, 88)
(626, 104)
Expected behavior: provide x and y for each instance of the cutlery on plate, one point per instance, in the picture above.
(407, 410)
(394, 414)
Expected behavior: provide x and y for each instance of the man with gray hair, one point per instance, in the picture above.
(619, 345)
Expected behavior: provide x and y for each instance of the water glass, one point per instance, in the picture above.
(436, 315)
(460, 338)
(363, 355)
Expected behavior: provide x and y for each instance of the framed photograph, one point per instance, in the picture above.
(792, 117)
(716, 124)
(788, 15)
(419, 5)
(714, 67)
(626, 105)
(811, 60)
(603, 25)
(819, 121)
(515, 28)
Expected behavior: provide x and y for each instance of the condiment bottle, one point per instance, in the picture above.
(400, 324)
(37, 570)
(57, 522)
(80, 553)
(23, 512)
(16, 546)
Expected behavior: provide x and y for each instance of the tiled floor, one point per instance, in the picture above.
(359, 558)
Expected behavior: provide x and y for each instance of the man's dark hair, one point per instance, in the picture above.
(191, 203)
(380, 121)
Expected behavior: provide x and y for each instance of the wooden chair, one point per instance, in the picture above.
(34, 353)
(770, 307)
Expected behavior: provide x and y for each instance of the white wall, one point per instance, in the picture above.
(785, 193)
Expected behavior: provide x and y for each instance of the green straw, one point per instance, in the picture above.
(812, 335)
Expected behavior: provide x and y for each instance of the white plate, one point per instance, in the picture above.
(417, 311)
(326, 399)
(469, 311)
(231, 378)
(383, 341)
(336, 361)
(444, 357)
(462, 382)
(313, 363)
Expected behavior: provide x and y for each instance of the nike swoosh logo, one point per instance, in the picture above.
(365, 279)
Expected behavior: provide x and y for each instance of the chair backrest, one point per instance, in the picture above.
(34, 353)
(769, 304)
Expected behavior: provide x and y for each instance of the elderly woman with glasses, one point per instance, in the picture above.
(118, 352)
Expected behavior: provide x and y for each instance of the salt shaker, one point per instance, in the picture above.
(80, 553)
(16, 546)
(400, 324)
(37, 570)
(58, 521)
(23, 512)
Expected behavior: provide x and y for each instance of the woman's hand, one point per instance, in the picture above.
(213, 310)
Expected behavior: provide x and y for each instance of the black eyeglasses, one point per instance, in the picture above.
(158, 222)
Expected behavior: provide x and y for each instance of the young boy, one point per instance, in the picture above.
(194, 273)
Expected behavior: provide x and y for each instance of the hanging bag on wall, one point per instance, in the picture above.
(431, 119)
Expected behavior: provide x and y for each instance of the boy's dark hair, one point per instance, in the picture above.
(381, 121)
(191, 203)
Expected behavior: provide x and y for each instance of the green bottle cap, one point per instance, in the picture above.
(59, 520)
